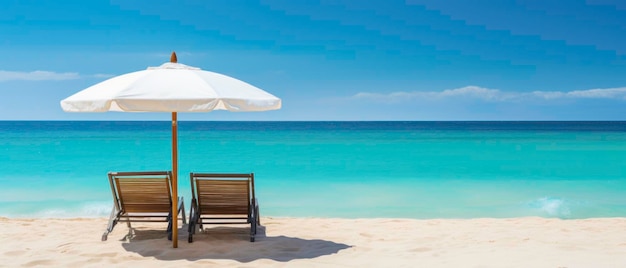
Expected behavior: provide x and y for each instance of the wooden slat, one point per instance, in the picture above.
(144, 194)
(223, 198)
(230, 197)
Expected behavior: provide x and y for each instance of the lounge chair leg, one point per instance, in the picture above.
(258, 215)
(253, 221)
(181, 207)
(191, 228)
(131, 234)
(111, 224)
(169, 226)
(252, 230)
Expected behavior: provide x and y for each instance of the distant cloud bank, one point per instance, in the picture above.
(45, 76)
(36, 76)
(102, 75)
(486, 94)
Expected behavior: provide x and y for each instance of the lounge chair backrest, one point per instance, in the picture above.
(223, 194)
(144, 196)
(142, 192)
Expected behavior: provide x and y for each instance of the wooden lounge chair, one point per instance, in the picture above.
(223, 199)
(142, 197)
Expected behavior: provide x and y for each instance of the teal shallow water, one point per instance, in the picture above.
(330, 169)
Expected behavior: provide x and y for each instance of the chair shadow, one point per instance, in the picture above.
(228, 243)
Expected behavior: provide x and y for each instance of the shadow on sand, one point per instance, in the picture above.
(228, 243)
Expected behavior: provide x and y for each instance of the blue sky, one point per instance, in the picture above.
(330, 60)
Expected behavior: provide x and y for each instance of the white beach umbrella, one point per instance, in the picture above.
(171, 87)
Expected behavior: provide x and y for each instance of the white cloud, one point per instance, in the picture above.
(548, 95)
(607, 93)
(101, 75)
(36, 76)
(464, 92)
(472, 92)
(486, 94)
(46, 76)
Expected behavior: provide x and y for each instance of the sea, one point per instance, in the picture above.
(421, 170)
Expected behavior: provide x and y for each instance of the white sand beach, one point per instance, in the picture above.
(321, 242)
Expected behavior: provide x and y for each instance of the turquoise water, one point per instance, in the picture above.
(330, 169)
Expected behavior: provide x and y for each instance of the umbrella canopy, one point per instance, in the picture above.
(171, 87)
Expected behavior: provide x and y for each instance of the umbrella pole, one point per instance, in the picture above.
(175, 180)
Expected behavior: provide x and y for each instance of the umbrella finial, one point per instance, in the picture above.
(173, 58)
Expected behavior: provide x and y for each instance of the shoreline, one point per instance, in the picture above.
(327, 242)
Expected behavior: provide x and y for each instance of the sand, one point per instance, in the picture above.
(320, 242)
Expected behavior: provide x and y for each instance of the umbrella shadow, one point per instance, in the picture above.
(228, 243)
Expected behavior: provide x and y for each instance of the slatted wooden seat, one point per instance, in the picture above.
(223, 199)
(142, 197)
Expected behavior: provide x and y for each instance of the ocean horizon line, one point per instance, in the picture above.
(287, 121)
(568, 126)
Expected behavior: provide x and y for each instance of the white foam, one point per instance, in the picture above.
(97, 209)
(556, 207)
(84, 210)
